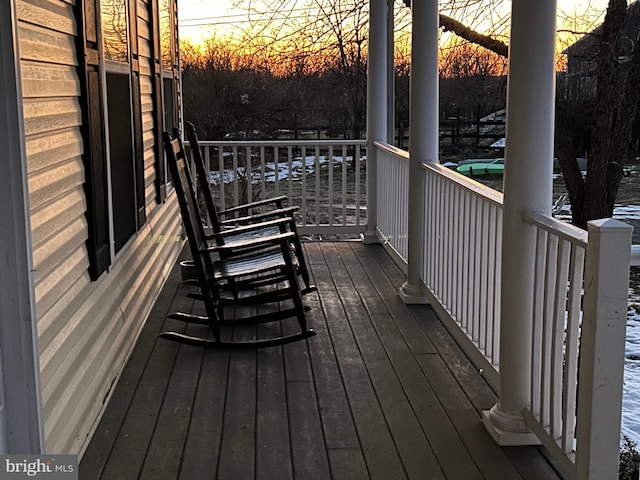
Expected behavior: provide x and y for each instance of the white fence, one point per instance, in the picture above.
(325, 178)
(576, 371)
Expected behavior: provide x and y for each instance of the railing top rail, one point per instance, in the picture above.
(466, 183)
(392, 150)
(564, 230)
(283, 143)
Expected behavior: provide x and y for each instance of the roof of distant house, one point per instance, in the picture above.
(588, 42)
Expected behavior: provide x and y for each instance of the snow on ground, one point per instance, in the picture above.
(283, 172)
(631, 389)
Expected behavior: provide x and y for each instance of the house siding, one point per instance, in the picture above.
(86, 329)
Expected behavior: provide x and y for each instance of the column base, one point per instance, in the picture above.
(412, 294)
(508, 430)
(369, 237)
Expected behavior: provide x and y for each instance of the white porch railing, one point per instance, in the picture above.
(462, 238)
(463, 241)
(325, 178)
(393, 185)
(578, 345)
(558, 293)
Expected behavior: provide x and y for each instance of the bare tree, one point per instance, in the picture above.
(329, 36)
(472, 81)
(609, 122)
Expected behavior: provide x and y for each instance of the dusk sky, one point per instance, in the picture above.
(220, 16)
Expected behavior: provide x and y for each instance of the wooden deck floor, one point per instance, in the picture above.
(381, 392)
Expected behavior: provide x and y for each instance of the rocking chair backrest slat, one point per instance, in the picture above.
(202, 177)
(188, 207)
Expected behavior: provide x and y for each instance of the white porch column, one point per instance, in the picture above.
(376, 106)
(423, 134)
(20, 411)
(527, 187)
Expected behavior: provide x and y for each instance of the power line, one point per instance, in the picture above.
(282, 15)
(204, 22)
(251, 13)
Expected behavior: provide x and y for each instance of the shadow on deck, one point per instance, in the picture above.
(381, 392)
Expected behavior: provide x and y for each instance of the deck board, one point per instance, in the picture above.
(381, 392)
(200, 455)
(273, 442)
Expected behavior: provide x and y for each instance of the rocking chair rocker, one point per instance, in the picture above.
(264, 264)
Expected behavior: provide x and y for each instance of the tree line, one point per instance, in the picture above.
(234, 94)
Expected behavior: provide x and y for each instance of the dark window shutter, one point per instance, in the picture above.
(94, 156)
(176, 67)
(137, 116)
(156, 65)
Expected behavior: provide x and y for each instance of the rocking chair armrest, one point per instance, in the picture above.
(281, 213)
(252, 243)
(277, 222)
(277, 200)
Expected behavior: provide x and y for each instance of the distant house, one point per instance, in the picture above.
(582, 56)
(90, 223)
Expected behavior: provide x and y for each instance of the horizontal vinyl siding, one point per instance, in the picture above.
(52, 114)
(56, 15)
(60, 48)
(86, 329)
(102, 332)
(40, 80)
(149, 139)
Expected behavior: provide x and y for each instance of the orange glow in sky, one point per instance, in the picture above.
(202, 19)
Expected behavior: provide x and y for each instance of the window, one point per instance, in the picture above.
(119, 102)
(165, 35)
(166, 72)
(114, 30)
(112, 124)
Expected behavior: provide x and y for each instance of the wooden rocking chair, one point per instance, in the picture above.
(223, 220)
(264, 263)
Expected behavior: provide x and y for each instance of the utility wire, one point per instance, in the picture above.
(204, 22)
(253, 12)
